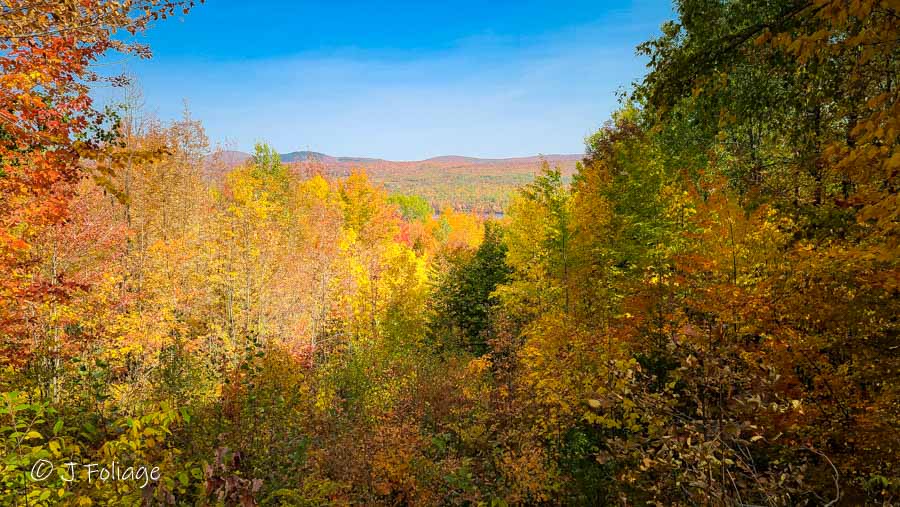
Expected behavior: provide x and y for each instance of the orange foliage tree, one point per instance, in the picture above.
(48, 127)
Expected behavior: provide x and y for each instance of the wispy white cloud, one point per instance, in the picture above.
(486, 95)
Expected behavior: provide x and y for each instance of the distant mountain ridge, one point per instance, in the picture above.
(239, 157)
(464, 183)
(303, 156)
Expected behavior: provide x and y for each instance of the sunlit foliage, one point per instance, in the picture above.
(706, 314)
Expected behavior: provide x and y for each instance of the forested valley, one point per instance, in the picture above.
(707, 314)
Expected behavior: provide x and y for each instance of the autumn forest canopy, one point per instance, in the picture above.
(702, 311)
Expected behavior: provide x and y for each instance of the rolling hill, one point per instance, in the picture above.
(465, 183)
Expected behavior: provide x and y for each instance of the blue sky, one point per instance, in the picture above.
(398, 80)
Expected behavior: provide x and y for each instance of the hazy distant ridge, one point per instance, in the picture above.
(466, 183)
(238, 157)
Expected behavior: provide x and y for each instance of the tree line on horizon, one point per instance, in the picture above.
(706, 314)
